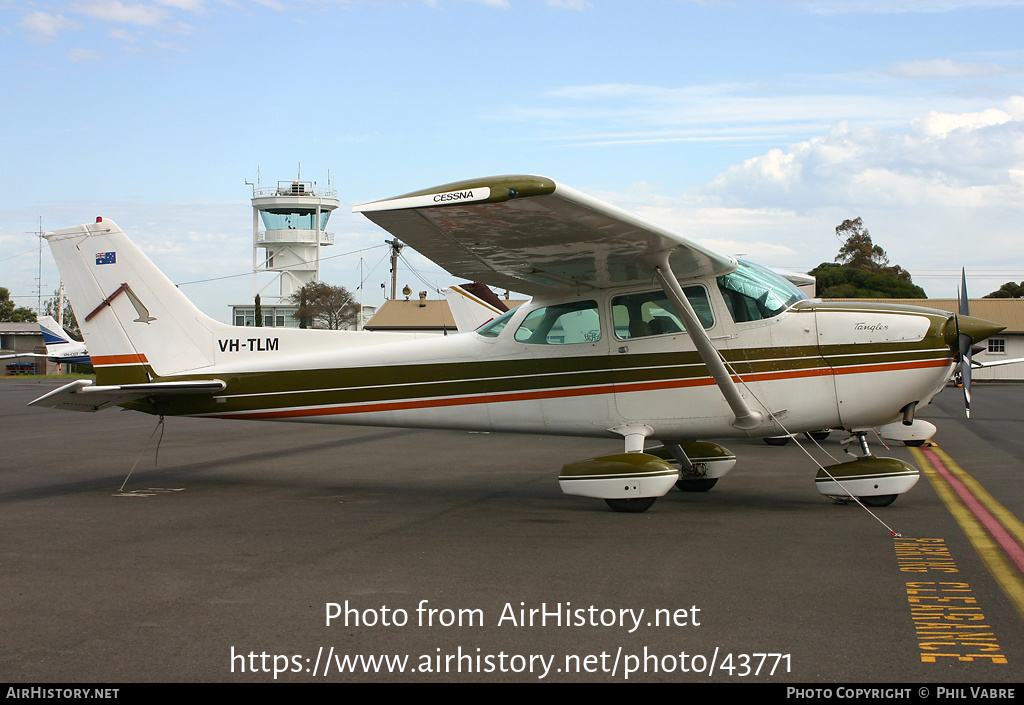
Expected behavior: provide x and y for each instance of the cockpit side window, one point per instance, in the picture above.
(651, 313)
(753, 293)
(562, 324)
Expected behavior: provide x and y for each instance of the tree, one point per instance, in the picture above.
(858, 251)
(325, 306)
(10, 312)
(50, 308)
(1009, 290)
(861, 270)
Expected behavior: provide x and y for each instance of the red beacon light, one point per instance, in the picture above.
(99, 219)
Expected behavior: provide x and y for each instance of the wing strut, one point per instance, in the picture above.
(745, 417)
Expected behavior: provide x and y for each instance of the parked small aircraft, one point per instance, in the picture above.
(60, 347)
(634, 331)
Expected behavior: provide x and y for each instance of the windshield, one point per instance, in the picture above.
(753, 292)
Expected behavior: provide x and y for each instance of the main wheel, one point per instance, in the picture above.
(914, 444)
(702, 485)
(776, 440)
(641, 504)
(818, 435)
(878, 500)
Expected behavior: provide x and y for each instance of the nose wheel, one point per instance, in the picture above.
(632, 506)
(880, 500)
(702, 485)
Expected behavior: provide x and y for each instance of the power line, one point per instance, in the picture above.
(298, 265)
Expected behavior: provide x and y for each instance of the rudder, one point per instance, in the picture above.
(136, 323)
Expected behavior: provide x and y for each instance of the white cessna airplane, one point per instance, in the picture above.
(634, 331)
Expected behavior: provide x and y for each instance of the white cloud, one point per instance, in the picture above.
(942, 124)
(945, 68)
(903, 6)
(83, 54)
(122, 35)
(940, 160)
(44, 26)
(625, 114)
(1015, 107)
(191, 5)
(940, 192)
(115, 11)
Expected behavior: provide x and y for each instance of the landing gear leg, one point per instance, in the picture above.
(862, 440)
(862, 436)
(690, 478)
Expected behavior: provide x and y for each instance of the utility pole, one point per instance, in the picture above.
(39, 278)
(359, 321)
(396, 249)
(60, 305)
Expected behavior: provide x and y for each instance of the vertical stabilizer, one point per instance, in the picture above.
(52, 332)
(471, 306)
(136, 323)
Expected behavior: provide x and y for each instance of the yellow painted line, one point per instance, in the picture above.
(1010, 522)
(997, 563)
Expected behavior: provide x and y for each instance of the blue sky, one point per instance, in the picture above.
(753, 127)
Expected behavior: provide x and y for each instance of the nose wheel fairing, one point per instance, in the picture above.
(876, 482)
(867, 477)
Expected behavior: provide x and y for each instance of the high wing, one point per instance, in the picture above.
(82, 395)
(533, 235)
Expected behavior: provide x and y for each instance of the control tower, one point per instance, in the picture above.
(294, 217)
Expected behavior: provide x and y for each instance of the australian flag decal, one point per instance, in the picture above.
(106, 257)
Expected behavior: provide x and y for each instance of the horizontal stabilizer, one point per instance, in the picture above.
(83, 395)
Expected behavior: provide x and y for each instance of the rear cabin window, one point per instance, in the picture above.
(562, 324)
(651, 313)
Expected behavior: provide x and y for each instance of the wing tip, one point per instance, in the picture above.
(489, 189)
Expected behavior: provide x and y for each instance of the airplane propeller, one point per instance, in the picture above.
(966, 331)
(964, 342)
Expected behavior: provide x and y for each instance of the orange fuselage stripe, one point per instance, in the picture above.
(130, 359)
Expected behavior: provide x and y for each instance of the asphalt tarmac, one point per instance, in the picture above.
(258, 551)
